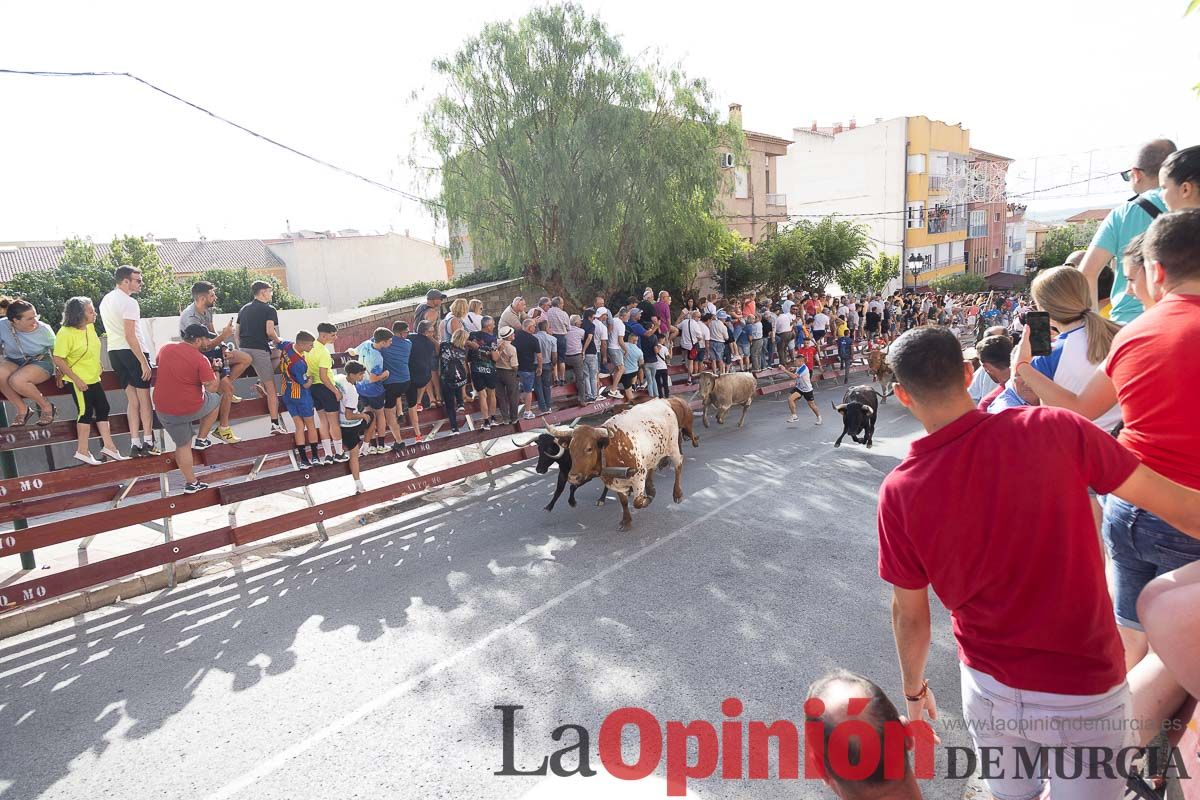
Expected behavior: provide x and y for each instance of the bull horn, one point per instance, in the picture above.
(555, 430)
(560, 452)
(524, 444)
(868, 410)
(603, 433)
(840, 409)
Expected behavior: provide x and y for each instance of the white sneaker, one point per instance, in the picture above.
(113, 454)
(87, 458)
(793, 418)
(278, 429)
(819, 421)
(529, 415)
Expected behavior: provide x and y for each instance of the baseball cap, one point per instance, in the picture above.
(722, 315)
(197, 331)
(506, 331)
(434, 294)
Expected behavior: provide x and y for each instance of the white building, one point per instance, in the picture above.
(340, 270)
(859, 171)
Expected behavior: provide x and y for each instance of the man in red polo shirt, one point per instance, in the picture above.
(1016, 561)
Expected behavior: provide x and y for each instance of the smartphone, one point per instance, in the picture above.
(1037, 328)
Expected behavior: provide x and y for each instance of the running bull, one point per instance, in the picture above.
(624, 453)
(860, 406)
(551, 452)
(724, 392)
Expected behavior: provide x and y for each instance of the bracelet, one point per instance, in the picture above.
(912, 698)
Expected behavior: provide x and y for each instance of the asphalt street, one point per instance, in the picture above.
(370, 666)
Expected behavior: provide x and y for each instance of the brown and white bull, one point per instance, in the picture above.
(878, 367)
(724, 392)
(625, 451)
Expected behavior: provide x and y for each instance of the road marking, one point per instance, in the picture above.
(265, 768)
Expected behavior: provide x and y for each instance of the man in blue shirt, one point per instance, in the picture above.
(1125, 222)
(371, 389)
(395, 361)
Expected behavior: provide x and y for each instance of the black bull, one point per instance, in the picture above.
(859, 408)
(550, 452)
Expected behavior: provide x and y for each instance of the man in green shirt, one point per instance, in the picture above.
(1125, 222)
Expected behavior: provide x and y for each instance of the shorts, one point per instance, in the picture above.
(699, 356)
(718, 350)
(352, 436)
(182, 427)
(627, 380)
(92, 403)
(324, 399)
(260, 361)
(1018, 725)
(1142, 547)
(46, 364)
(129, 371)
(616, 357)
(818, 336)
(527, 381)
(392, 392)
(561, 339)
(376, 402)
(301, 407)
(412, 391)
(483, 380)
(809, 395)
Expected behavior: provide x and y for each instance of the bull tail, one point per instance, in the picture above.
(890, 392)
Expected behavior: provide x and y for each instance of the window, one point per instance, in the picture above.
(997, 216)
(978, 225)
(916, 164)
(916, 214)
(741, 186)
(997, 255)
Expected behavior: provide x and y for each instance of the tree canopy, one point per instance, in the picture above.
(962, 283)
(1060, 242)
(869, 275)
(562, 154)
(810, 255)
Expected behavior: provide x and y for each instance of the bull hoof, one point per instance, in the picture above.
(868, 445)
(625, 525)
(678, 497)
(837, 444)
(600, 502)
(641, 502)
(695, 441)
(549, 508)
(571, 502)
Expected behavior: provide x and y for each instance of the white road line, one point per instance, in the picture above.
(266, 767)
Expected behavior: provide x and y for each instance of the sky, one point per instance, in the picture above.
(1052, 83)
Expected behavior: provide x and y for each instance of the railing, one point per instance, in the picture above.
(946, 224)
(777, 199)
(977, 231)
(939, 183)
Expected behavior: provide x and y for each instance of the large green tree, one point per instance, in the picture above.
(811, 255)
(562, 154)
(1060, 242)
(869, 275)
(960, 283)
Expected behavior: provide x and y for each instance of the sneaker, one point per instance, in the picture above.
(418, 408)
(87, 458)
(462, 408)
(135, 451)
(201, 444)
(303, 462)
(487, 425)
(151, 450)
(529, 415)
(233, 398)
(114, 455)
(358, 487)
(419, 439)
(227, 436)
(793, 418)
(819, 421)
(341, 458)
(397, 447)
(277, 428)
(192, 488)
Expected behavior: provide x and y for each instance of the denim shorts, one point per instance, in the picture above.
(527, 381)
(1142, 547)
(718, 350)
(1018, 725)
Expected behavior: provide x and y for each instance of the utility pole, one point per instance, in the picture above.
(1091, 154)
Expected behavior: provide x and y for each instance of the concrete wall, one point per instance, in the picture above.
(857, 171)
(355, 326)
(341, 272)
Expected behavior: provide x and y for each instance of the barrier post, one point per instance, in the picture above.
(8, 467)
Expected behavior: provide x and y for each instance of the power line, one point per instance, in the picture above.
(227, 121)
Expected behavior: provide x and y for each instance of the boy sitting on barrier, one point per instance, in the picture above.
(297, 395)
(325, 397)
(354, 423)
(371, 389)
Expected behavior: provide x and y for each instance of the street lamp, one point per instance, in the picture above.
(916, 265)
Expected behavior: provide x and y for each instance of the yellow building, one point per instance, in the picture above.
(936, 200)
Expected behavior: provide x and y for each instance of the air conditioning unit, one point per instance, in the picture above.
(726, 160)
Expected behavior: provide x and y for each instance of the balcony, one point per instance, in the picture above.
(939, 183)
(946, 224)
(977, 231)
(777, 200)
